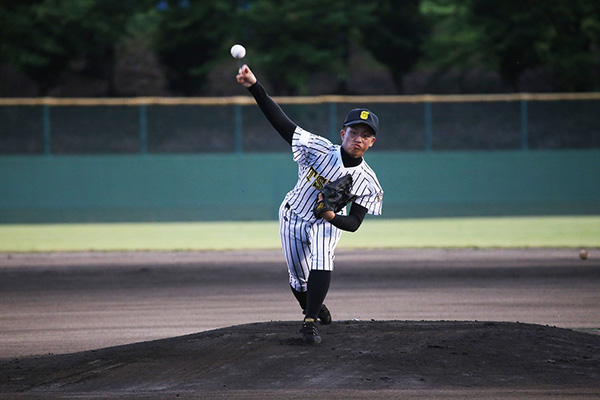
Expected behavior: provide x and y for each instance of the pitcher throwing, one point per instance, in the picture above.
(309, 228)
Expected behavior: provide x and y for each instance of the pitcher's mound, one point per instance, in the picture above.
(354, 355)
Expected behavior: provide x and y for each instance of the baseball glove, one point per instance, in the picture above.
(335, 194)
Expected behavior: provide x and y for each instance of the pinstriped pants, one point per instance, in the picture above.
(306, 245)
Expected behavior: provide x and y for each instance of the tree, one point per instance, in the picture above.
(560, 36)
(452, 41)
(192, 35)
(395, 36)
(294, 39)
(44, 38)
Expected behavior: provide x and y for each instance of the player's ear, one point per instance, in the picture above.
(343, 133)
(373, 138)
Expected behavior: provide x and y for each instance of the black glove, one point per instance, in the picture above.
(335, 194)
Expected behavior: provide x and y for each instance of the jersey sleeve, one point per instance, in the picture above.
(307, 147)
(373, 202)
(369, 193)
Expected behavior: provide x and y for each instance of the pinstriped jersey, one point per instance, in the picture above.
(320, 161)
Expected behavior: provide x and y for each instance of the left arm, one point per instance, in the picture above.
(350, 222)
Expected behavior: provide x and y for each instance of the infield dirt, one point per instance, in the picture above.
(554, 352)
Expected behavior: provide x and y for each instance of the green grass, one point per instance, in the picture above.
(579, 231)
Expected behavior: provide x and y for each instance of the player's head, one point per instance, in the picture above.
(362, 116)
(360, 128)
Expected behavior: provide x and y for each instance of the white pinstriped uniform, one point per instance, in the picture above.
(308, 243)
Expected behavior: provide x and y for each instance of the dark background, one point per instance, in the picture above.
(99, 48)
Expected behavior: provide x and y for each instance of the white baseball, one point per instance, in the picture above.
(238, 51)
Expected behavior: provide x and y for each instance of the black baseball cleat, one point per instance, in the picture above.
(310, 335)
(324, 315)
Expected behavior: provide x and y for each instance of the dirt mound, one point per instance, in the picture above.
(354, 355)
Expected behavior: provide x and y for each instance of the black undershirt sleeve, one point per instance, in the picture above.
(352, 221)
(280, 121)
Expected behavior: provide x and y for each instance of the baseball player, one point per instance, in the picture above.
(309, 238)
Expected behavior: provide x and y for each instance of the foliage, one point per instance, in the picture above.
(44, 38)
(560, 36)
(395, 35)
(514, 38)
(191, 37)
(452, 42)
(294, 39)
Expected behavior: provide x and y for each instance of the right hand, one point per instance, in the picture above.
(327, 215)
(245, 76)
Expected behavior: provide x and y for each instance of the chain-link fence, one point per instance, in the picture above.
(209, 125)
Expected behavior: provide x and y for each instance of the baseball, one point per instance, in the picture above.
(583, 254)
(238, 51)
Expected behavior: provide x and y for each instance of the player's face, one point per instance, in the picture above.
(357, 139)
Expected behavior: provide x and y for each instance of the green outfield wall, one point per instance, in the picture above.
(209, 187)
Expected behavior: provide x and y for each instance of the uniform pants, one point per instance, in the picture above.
(307, 245)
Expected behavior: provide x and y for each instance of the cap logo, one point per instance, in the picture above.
(364, 115)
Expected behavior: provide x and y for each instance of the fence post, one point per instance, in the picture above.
(238, 129)
(333, 121)
(524, 123)
(46, 128)
(143, 118)
(428, 126)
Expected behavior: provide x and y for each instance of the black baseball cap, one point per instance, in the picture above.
(362, 116)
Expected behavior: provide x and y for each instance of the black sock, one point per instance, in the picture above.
(318, 286)
(301, 297)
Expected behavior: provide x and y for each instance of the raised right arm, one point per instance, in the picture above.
(280, 121)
